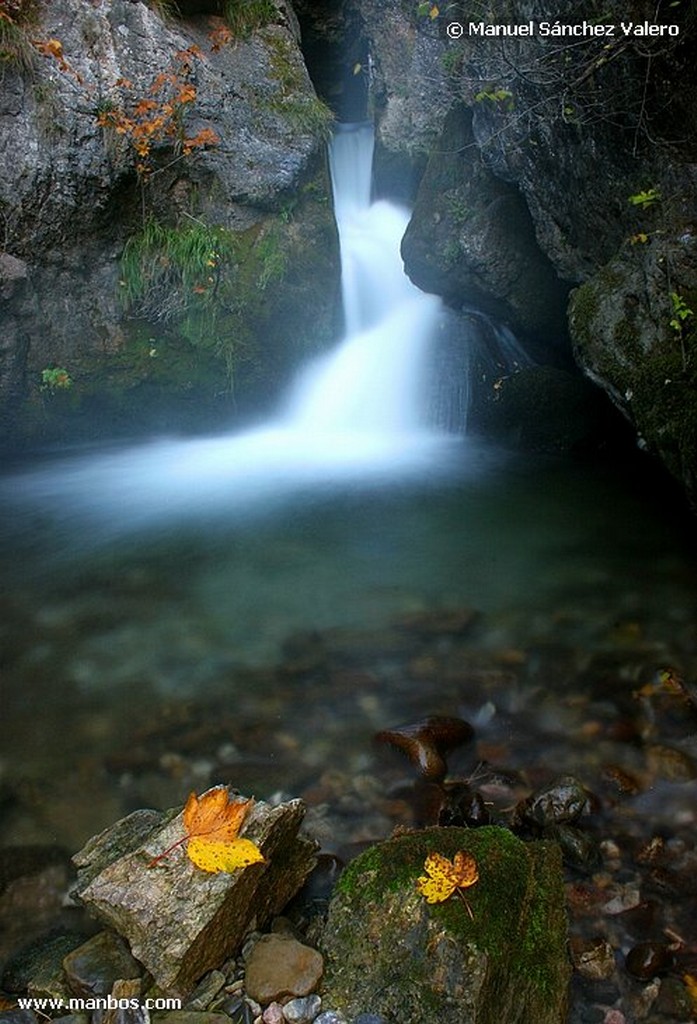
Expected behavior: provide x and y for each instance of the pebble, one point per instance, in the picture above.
(93, 967)
(302, 1011)
(593, 958)
(279, 966)
(647, 959)
(273, 1014)
(330, 1017)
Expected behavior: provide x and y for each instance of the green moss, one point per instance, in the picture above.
(518, 920)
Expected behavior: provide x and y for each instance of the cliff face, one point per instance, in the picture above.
(114, 119)
(557, 164)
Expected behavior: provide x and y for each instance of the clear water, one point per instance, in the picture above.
(165, 603)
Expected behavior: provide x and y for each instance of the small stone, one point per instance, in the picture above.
(302, 1011)
(330, 1017)
(561, 803)
(273, 1014)
(593, 958)
(94, 966)
(280, 966)
(206, 991)
(369, 1018)
(647, 959)
(669, 763)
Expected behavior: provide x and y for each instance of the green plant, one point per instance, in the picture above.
(504, 97)
(682, 313)
(55, 378)
(244, 17)
(305, 113)
(645, 198)
(16, 20)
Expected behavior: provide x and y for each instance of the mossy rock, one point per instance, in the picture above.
(389, 952)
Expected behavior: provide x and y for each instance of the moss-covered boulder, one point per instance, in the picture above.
(390, 952)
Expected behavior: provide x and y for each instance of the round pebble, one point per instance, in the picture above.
(302, 1011)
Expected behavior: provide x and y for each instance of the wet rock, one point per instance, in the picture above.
(125, 1005)
(40, 959)
(34, 881)
(273, 1014)
(428, 742)
(387, 949)
(648, 959)
(206, 991)
(302, 1011)
(671, 764)
(562, 802)
(279, 966)
(579, 849)
(330, 1017)
(180, 921)
(18, 1017)
(593, 958)
(192, 1017)
(92, 968)
(463, 806)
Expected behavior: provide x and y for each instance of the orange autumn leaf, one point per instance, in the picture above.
(212, 823)
(443, 877)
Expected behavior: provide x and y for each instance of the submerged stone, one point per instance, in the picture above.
(389, 952)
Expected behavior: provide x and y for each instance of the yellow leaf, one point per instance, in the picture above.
(357, 68)
(691, 986)
(213, 856)
(434, 12)
(444, 876)
(212, 823)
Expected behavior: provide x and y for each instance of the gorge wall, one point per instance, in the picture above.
(557, 189)
(168, 247)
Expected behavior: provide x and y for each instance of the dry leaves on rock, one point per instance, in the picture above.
(444, 877)
(212, 823)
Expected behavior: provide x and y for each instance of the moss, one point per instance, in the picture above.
(516, 935)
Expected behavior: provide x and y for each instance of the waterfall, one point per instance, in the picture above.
(356, 414)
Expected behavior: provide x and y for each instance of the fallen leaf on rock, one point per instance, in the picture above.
(444, 877)
(212, 823)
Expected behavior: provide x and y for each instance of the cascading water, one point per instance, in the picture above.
(355, 414)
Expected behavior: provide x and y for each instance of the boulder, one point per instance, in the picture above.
(181, 921)
(500, 959)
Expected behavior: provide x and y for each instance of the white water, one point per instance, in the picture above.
(354, 414)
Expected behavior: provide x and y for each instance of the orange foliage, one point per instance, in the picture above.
(157, 117)
(212, 823)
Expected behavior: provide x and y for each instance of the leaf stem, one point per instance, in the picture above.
(165, 853)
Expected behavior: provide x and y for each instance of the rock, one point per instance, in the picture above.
(34, 881)
(273, 1014)
(561, 803)
(648, 959)
(38, 961)
(124, 1005)
(428, 742)
(389, 952)
(593, 958)
(302, 1011)
(92, 968)
(70, 198)
(206, 991)
(279, 966)
(330, 1017)
(180, 921)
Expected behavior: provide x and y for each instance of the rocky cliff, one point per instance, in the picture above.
(190, 143)
(558, 164)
